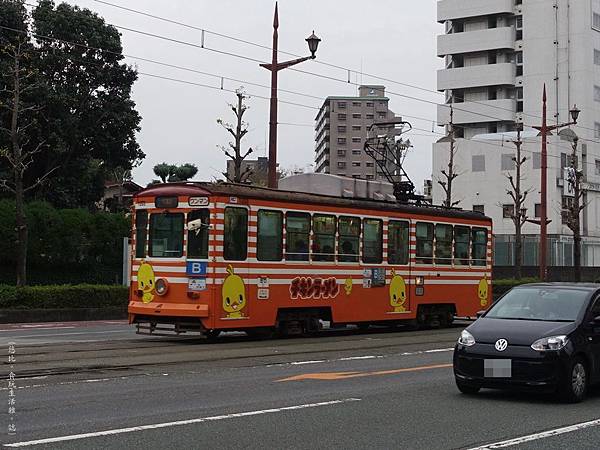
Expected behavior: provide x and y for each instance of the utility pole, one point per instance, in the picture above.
(450, 175)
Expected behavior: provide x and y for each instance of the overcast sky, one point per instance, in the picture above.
(394, 39)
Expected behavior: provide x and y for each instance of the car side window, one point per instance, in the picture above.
(595, 311)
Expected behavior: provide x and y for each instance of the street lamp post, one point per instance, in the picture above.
(545, 129)
(275, 67)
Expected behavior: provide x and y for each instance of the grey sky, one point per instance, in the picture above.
(395, 39)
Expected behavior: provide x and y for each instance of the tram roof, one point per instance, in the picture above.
(249, 191)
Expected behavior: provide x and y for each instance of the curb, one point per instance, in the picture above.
(61, 315)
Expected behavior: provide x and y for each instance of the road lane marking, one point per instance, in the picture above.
(537, 436)
(345, 375)
(117, 431)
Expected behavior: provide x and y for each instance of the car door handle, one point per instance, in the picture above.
(590, 338)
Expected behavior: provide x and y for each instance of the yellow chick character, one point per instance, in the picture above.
(397, 292)
(145, 279)
(348, 286)
(234, 294)
(482, 291)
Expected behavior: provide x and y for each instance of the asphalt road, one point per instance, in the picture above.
(98, 385)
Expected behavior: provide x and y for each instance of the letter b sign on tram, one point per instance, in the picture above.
(196, 268)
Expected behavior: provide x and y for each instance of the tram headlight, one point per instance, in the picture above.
(161, 286)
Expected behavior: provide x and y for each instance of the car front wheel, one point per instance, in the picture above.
(465, 388)
(575, 385)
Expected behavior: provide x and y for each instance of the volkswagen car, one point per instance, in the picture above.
(543, 336)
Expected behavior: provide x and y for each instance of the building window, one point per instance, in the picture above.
(356, 116)
(235, 247)
(355, 164)
(356, 176)
(479, 247)
(537, 160)
(370, 177)
(443, 244)
(197, 239)
(597, 93)
(564, 162)
(508, 211)
(372, 241)
(507, 162)
(398, 242)
(342, 105)
(356, 128)
(370, 104)
(479, 209)
(324, 228)
(370, 116)
(597, 130)
(297, 228)
(369, 164)
(538, 210)
(166, 235)
(598, 167)
(596, 21)
(478, 163)
(349, 233)
(341, 165)
(342, 129)
(341, 153)
(382, 115)
(424, 243)
(269, 242)
(597, 57)
(356, 140)
(341, 141)
(462, 239)
(356, 152)
(341, 116)
(141, 225)
(357, 104)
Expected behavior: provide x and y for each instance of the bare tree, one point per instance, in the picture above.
(21, 81)
(573, 211)
(450, 175)
(238, 131)
(518, 196)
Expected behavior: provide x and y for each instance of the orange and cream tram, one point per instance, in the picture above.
(211, 257)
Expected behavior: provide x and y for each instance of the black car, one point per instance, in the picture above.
(542, 336)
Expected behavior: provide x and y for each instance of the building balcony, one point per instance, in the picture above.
(477, 112)
(462, 9)
(476, 76)
(476, 41)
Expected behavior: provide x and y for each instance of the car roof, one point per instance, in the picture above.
(562, 284)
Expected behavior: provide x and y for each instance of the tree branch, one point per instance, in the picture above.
(40, 180)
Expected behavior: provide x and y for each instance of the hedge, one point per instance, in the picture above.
(499, 287)
(63, 296)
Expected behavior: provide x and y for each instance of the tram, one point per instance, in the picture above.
(212, 257)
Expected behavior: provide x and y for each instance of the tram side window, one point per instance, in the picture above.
(324, 228)
(398, 242)
(372, 241)
(443, 244)
(297, 238)
(235, 232)
(424, 243)
(197, 241)
(462, 238)
(348, 239)
(479, 247)
(141, 225)
(269, 244)
(166, 235)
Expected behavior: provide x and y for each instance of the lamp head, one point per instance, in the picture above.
(575, 113)
(313, 44)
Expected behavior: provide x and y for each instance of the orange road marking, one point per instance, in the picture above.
(344, 375)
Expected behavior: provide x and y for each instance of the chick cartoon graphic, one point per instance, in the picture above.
(234, 295)
(348, 286)
(397, 292)
(145, 279)
(482, 291)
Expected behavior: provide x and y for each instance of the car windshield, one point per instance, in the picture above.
(540, 303)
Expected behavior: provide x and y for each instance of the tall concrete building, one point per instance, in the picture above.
(341, 128)
(497, 56)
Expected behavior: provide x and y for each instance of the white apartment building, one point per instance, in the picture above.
(497, 56)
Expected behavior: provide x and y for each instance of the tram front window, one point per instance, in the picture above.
(166, 235)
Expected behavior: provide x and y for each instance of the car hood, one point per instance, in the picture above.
(517, 332)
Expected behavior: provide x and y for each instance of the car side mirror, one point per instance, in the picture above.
(480, 313)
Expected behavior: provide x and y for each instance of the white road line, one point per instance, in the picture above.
(31, 327)
(71, 334)
(536, 436)
(300, 363)
(116, 431)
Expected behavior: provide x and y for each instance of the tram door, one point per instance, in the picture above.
(399, 259)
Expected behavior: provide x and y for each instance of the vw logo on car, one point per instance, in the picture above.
(501, 345)
(554, 335)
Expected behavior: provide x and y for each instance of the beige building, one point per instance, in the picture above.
(341, 130)
(254, 171)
